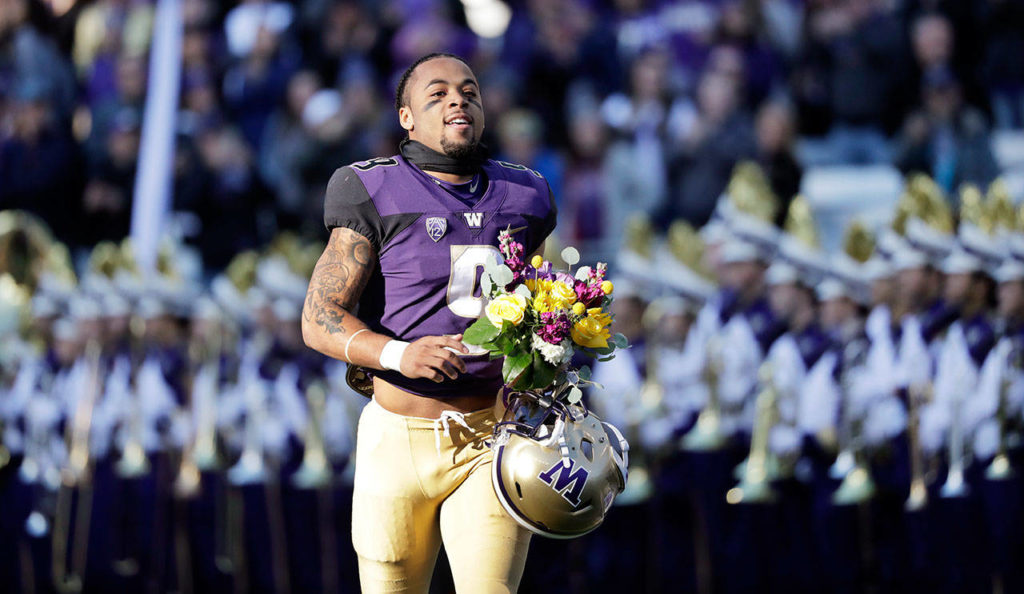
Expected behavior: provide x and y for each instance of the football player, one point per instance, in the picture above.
(392, 293)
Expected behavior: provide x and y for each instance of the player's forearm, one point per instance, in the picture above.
(335, 287)
(335, 332)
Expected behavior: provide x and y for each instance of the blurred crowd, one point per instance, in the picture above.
(276, 95)
(208, 447)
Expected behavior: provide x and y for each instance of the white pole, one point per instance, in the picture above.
(152, 193)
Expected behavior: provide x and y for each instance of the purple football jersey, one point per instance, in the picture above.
(432, 248)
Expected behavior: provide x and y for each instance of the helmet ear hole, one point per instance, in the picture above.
(588, 449)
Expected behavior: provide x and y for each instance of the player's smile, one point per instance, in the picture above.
(460, 121)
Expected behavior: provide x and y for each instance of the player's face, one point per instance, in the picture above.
(444, 110)
(1011, 299)
(957, 288)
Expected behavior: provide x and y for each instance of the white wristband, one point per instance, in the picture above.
(391, 355)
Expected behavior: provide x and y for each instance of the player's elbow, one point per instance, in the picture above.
(310, 334)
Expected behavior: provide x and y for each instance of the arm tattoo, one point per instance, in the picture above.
(338, 280)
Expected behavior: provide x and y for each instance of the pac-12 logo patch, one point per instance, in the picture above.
(436, 227)
(567, 481)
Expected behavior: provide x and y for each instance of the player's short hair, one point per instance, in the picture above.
(400, 95)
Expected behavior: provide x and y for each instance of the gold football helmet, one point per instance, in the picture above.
(557, 467)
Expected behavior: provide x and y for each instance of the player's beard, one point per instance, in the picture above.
(459, 151)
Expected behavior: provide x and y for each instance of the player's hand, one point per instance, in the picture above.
(434, 357)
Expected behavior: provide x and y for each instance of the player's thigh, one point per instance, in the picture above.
(485, 546)
(394, 528)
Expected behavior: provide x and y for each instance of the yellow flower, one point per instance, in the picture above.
(506, 308)
(579, 309)
(537, 261)
(602, 318)
(532, 283)
(589, 332)
(563, 294)
(543, 303)
(607, 287)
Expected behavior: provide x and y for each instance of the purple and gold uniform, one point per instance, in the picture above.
(417, 481)
(431, 248)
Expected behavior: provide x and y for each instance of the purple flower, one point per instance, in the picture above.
(515, 263)
(511, 250)
(555, 329)
(589, 295)
(565, 278)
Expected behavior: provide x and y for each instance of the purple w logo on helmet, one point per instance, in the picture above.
(569, 482)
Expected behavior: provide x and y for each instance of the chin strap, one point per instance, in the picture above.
(442, 421)
(623, 462)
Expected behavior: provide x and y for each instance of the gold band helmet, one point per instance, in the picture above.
(557, 467)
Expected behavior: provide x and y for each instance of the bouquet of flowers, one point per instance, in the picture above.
(537, 318)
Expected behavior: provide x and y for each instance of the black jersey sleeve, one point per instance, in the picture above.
(348, 204)
(551, 220)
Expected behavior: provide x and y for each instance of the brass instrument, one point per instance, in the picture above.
(250, 468)
(857, 485)
(755, 483)
(1000, 468)
(315, 474)
(918, 497)
(955, 486)
(651, 400)
(188, 483)
(201, 454)
(133, 462)
(707, 435)
(76, 475)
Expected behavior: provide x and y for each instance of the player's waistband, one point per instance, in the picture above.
(482, 418)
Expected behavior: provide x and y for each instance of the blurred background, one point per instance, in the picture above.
(170, 432)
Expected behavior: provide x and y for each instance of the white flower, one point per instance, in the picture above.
(555, 354)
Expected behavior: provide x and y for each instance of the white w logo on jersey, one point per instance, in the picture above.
(474, 219)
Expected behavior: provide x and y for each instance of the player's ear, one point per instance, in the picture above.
(405, 118)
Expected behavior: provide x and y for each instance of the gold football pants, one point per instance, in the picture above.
(420, 482)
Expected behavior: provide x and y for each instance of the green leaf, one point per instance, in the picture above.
(524, 292)
(481, 331)
(604, 359)
(584, 373)
(620, 340)
(486, 284)
(543, 372)
(583, 273)
(502, 275)
(503, 343)
(514, 365)
(571, 256)
(575, 394)
(525, 379)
